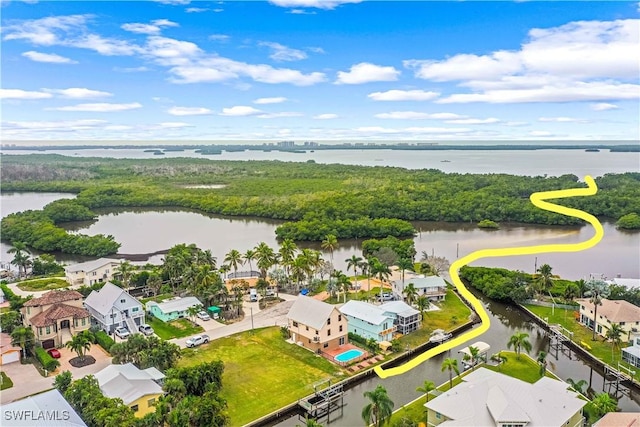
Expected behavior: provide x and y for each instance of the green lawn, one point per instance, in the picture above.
(361, 295)
(599, 348)
(262, 372)
(6, 382)
(157, 298)
(46, 284)
(453, 313)
(176, 329)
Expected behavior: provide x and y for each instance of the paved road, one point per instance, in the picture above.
(272, 316)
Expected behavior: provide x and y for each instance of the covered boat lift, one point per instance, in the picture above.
(483, 350)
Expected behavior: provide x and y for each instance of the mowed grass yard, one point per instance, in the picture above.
(179, 328)
(262, 372)
(46, 284)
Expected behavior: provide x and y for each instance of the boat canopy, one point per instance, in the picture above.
(482, 347)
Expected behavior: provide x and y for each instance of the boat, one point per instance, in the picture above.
(439, 336)
(592, 150)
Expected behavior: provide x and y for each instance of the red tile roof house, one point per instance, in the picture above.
(55, 317)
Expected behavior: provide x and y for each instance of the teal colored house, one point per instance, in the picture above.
(175, 308)
(368, 320)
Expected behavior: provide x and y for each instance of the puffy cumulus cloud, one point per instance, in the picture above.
(366, 72)
(154, 28)
(403, 95)
(325, 116)
(168, 51)
(578, 61)
(603, 106)
(79, 93)
(188, 111)
(280, 52)
(102, 107)
(240, 111)
(318, 4)
(23, 94)
(51, 58)
(274, 100)
(47, 31)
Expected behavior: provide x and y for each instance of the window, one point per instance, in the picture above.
(151, 402)
(622, 323)
(48, 330)
(438, 415)
(84, 321)
(94, 274)
(134, 309)
(295, 324)
(328, 332)
(340, 328)
(122, 301)
(317, 332)
(113, 315)
(307, 328)
(328, 321)
(107, 271)
(135, 408)
(29, 311)
(325, 345)
(39, 331)
(339, 317)
(309, 340)
(341, 341)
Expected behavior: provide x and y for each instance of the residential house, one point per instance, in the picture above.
(55, 317)
(369, 321)
(48, 409)
(488, 398)
(625, 314)
(8, 353)
(631, 354)
(175, 308)
(626, 282)
(91, 272)
(316, 325)
(406, 318)
(619, 419)
(111, 307)
(139, 389)
(433, 287)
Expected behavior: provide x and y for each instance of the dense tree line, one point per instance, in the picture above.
(337, 197)
(317, 229)
(403, 248)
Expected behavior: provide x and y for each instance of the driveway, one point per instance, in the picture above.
(27, 380)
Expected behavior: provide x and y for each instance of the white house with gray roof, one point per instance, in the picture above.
(91, 272)
(111, 307)
(316, 325)
(406, 318)
(175, 308)
(48, 409)
(488, 398)
(138, 388)
(433, 287)
(369, 321)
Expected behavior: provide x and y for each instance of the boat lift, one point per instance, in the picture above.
(483, 350)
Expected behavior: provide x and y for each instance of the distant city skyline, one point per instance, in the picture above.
(320, 70)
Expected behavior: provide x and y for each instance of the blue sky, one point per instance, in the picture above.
(320, 70)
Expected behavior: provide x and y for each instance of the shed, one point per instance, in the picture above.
(214, 311)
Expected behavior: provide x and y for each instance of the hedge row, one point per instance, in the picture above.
(104, 340)
(45, 359)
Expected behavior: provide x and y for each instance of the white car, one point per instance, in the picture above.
(146, 329)
(203, 315)
(197, 340)
(122, 332)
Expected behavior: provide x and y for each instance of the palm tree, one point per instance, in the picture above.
(287, 253)
(378, 268)
(125, 270)
(597, 290)
(499, 358)
(404, 264)
(451, 365)
(423, 304)
(343, 283)
(193, 311)
(21, 257)
(249, 256)
(577, 386)
(80, 344)
(518, 341)
(330, 243)
(542, 361)
(411, 293)
(603, 403)
(379, 409)
(474, 355)
(23, 337)
(427, 388)
(614, 333)
(544, 279)
(354, 263)
(265, 257)
(309, 422)
(233, 259)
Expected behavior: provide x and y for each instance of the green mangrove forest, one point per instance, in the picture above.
(315, 199)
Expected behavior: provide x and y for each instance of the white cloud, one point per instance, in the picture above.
(403, 95)
(326, 116)
(168, 51)
(164, 23)
(22, 94)
(51, 58)
(100, 107)
(415, 115)
(141, 28)
(319, 4)
(174, 2)
(66, 125)
(240, 110)
(106, 46)
(365, 72)
(302, 12)
(603, 106)
(219, 37)
(218, 10)
(411, 130)
(464, 66)
(174, 125)
(490, 120)
(280, 114)
(274, 100)
(196, 9)
(79, 93)
(283, 53)
(188, 111)
(131, 69)
(516, 123)
(45, 31)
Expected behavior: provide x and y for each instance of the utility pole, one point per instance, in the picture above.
(251, 308)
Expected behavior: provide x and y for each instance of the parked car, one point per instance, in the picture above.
(385, 297)
(53, 352)
(122, 332)
(253, 295)
(197, 340)
(146, 329)
(203, 315)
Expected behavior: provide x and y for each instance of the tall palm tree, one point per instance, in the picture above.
(249, 256)
(233, 258)
(518, 341)
(23, 337)
(451, 365)
(544, 279)
(542, 361)
(330, 243)
(404, 264)
(379, 409)
(423, 304)
(344, 284)
(596, 290)
(193, 311)
(381, 270)
(475, 355)
(287, 253)
(614, 333)
(411, 293)
(354, 263)
(125, 269)
(80, 344)
(427, 388)
(265, 257)
(21, 257)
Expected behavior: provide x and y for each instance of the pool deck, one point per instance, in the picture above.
(342, 349)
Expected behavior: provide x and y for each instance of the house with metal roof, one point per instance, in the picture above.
(369, 321)
(316, 325)
(48, 409)
(91, 272)
(488, 398)
(406, 318)
(620, 312)
(172, 309)
(631, 354)
(140, 389)
(112, 306)
(433, 287)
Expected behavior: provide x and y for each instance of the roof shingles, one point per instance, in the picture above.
(54, 297)
(57, 312)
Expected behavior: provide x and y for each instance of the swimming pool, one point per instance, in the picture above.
(348, 355)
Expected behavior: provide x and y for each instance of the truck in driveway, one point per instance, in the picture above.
(197, 340)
